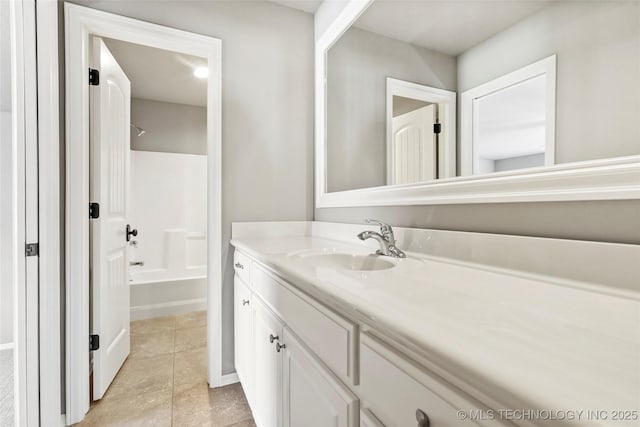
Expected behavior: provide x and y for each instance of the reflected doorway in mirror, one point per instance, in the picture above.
(509, 123)
(421, 134)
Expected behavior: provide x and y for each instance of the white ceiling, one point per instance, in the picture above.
(309, 6)
(450, 27)
(160, 75)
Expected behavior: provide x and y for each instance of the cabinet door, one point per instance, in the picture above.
(312, 395)
(267, 384)
(367, 419)
(243, 336)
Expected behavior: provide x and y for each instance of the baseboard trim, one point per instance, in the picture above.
(229, 379)
(167, 309)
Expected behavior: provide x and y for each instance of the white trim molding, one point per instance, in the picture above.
(21, 209)
(468, 111)
(230, 379)
(446, 101)
(49, 210)
(610, 179)
(606, 179)
(80, 24)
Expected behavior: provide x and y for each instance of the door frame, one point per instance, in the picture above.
(468, 109)
(23, 213)
(446, 101)
(81, 23)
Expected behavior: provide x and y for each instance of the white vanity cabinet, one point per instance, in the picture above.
(312, 395)
(397, 392)
(286, 382)
(367, 419)
(301, 364)
(243, 335)
(267, 357)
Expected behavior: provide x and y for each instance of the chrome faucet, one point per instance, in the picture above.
(385, 238)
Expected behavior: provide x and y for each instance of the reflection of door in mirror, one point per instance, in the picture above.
(421, 134)
(509, 128)
(509, 123)
(414, 153)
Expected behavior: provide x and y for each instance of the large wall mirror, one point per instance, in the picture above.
(423, 102)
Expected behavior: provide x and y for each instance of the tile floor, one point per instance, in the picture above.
(6, 387)
(163, 383)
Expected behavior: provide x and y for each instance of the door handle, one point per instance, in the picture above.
(131, 232)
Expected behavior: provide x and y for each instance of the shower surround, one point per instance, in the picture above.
(168, 200)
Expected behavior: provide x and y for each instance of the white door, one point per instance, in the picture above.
(267, 386)
(110, 103)
(414, 146)
(312, 396)
(243, 336)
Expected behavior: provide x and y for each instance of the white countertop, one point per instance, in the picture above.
(552, 344)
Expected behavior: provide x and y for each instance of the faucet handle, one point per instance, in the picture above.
(385, 229)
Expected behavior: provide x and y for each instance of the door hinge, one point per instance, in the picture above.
(437, 128)
(31, 249)
(94, 210)
(94, 342)
(94, 77)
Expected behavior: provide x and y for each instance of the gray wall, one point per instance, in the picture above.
(267, 112)
(357, 68)
(520, 162)
(598, 69)
(171, 128)
(612, 221)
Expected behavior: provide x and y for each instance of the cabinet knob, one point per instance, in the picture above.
(245, 302)
(281, 346)
(422, 418)
(272, 338)
(240, 266)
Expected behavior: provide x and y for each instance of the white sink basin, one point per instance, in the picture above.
(342, 261)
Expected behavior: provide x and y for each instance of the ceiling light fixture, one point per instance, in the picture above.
(201, 72)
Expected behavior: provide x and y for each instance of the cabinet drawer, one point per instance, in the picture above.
(367, 419)
(329, 336)
(393, 389)
(242, 266)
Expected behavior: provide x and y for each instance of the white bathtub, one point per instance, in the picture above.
(155, 296)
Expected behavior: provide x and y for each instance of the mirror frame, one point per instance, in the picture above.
(605, 179)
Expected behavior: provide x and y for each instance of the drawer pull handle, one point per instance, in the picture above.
(245, 301)
(240, 266)
(422, 418)
(272, 338)
(280, 346)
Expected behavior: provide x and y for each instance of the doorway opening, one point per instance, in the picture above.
(147, 174)
(143, 152)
